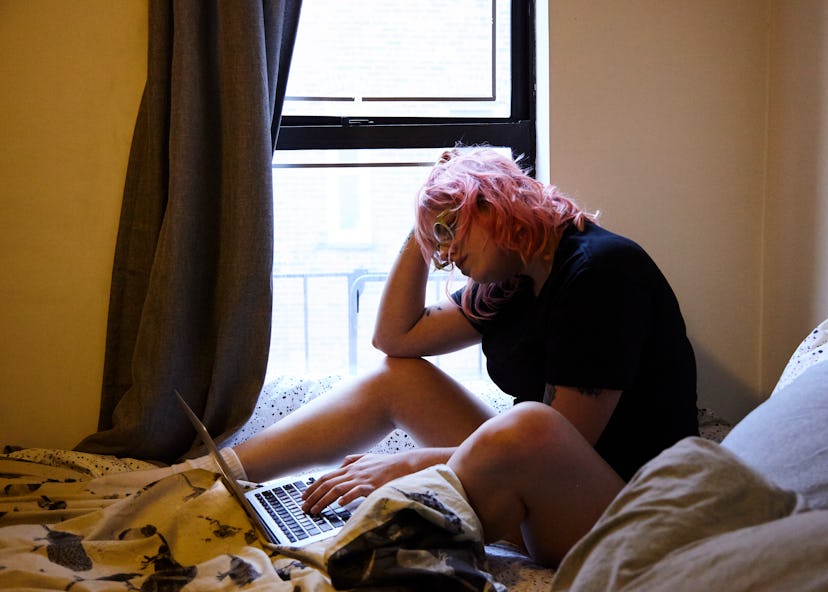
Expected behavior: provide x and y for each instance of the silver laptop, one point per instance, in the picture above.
(275, 507)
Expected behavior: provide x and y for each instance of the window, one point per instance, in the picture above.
(377, 90)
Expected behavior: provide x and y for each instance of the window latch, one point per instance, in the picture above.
(355, 121)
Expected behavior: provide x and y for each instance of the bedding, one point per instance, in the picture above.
(812, 350)
(132, 524)
(75, 521)
(698, 518)
(155, 528)
(131, 518)
(770, 439)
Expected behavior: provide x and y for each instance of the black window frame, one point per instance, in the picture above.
(518, 131)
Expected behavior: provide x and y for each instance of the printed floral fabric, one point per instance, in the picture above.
(416, 532)
(154, 529)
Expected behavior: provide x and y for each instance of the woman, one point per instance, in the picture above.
(577, 323)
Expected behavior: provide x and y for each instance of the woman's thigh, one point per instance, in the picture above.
(531, 470)
(430, 405)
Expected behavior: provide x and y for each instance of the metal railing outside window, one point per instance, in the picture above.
(355, 284)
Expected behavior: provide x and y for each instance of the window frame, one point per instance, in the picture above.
(518, 131)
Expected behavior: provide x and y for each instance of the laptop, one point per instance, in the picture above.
(275, 507)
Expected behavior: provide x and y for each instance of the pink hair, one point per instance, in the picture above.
(529, 216)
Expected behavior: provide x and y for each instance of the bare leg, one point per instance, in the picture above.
(406, 393)
(530, 469)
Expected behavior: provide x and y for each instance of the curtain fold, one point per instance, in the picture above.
(191, 296)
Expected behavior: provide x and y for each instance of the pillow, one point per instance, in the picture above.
(786, 554)
(690, 495)
(785, 438)
(813, 349)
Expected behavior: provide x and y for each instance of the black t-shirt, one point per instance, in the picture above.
(606, 318)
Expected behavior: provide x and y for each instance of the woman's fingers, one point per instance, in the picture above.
(359, 476)
(351, 458)
(324, 496)
(322, 490)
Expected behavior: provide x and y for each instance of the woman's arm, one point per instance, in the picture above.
(405, 326)
(589, 410)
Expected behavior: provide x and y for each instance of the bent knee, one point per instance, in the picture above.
(522, 431)
(392, 365)
(391, 373)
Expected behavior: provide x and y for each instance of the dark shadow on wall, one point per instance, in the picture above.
(721, 391)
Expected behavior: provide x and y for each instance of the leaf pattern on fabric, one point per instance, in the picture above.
(48, 504)
(250, 536)
(121, 578)
(221, 530)
(66, 549)
(24, 489)
(414, 533)
(241, 572)
(409, 549)
(428, 499)
(147, 530)
(285, 571)
(197, 490)
(169, 574)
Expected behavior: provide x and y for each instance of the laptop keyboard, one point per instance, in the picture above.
(284, 504)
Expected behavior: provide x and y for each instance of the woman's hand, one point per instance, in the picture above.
(361, 474)
(405, 327)
(358, 476)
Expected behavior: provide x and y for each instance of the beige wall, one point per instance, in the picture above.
(796, 231)
(658, 120)
(72, 76)
(659, 117)
(699, 128)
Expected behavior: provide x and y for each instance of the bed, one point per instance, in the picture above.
(71, 520)
(751, 510)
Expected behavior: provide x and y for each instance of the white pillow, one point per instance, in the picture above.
(785, 438)
(812, 350)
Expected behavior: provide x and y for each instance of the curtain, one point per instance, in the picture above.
(191, 295)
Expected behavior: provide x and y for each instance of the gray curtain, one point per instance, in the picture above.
(191, 298)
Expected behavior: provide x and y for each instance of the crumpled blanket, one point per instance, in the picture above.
(698, 518)
(414, 533)
(154, 529)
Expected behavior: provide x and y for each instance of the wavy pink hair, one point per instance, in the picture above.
(529, 216)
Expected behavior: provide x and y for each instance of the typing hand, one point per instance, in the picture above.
(358, 476)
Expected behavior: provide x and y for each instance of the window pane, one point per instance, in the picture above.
(340, 219)
(397, 58)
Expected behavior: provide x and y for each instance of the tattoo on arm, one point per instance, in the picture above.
(429, 309)
(549, 394)
(407, 240)
(551, 391)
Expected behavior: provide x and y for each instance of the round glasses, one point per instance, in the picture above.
(444, 236)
